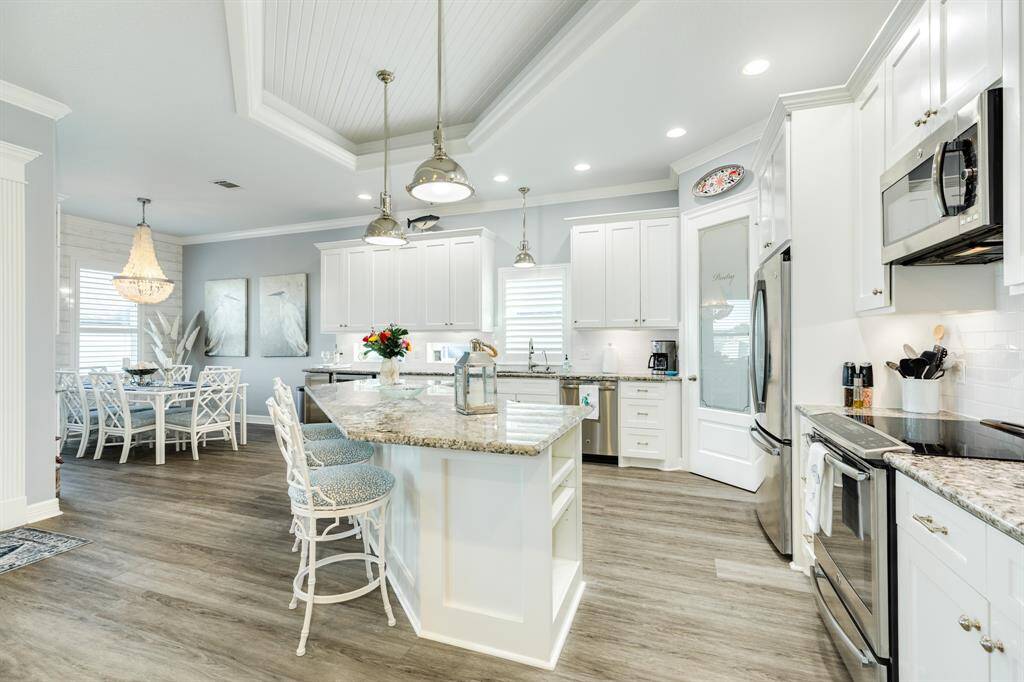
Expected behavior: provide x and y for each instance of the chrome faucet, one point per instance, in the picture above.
(531, 366)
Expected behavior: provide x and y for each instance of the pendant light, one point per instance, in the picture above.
(142, 280)
(385, 230)
(524, 259)
(440, 179)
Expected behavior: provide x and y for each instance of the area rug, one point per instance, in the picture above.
(24, 546)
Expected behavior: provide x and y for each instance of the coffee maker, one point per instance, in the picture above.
(663, 357)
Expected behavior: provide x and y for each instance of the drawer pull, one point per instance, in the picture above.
(967, 623)
(988, 644)
(929, 523)
(641, 390)
(642, 414)
(639, 443)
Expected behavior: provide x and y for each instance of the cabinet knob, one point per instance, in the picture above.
(767, 245)
(876, 292)
(919, 122)
(931, 112)
(692, 377)
(988, 644)
(967, 623)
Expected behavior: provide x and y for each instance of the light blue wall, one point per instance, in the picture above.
(252, 258)
(24, 128)
(743, 155)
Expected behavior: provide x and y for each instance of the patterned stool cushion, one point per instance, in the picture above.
(320, 431)
(336, 452)
(345, 486)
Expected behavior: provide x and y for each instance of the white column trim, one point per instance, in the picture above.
(13, 507)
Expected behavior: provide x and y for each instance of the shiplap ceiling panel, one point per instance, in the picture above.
(320, 56)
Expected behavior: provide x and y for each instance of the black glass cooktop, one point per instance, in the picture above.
(953, 437)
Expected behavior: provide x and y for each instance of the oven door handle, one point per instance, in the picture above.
(938, 161)
(833, 624)
(855, 474)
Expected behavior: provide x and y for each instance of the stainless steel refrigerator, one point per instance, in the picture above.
(770, 388)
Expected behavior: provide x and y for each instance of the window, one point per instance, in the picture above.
(533, 306)
(108, 325)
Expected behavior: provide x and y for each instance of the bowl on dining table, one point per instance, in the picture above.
(140, 375)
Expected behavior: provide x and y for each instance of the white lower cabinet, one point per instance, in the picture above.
(650, 433)
(960, 607)
(538, 391)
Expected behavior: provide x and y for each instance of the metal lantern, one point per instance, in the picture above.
(476, 380)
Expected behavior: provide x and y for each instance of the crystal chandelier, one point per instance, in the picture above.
(142, 280)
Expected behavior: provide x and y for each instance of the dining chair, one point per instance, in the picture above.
(76, 416)
(115, 415)
(361, 491)
(212, 410)
(176, 374)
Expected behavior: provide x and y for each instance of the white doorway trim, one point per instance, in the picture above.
(718, 442)
(13, 159)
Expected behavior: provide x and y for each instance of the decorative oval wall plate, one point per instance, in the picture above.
(719, 180)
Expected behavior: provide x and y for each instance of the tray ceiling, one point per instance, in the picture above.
(320, 57)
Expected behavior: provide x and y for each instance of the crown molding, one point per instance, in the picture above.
(244, 20)
(414, 237)
(32, 101)
(892, 28)
(721, 147)
(13, 159)
(746, 196)
(670, 212)
(650, 187)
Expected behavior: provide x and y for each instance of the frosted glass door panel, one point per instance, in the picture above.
(724, 317)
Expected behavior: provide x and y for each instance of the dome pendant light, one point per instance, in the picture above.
(524, 259)
(440, 179)
(385, 230)
(143, 280)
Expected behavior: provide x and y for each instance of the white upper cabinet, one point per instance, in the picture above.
(949, 53)
(408, 290)
(773, 214)
(333, 308)
(1013, 147)
(622, 274)
(659, 273)
(588, 282)
(872, 285)
(429, 283)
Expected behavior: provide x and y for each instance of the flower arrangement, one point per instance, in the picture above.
(390, 342)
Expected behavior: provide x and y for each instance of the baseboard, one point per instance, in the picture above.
(42, 510)
(258, 419)
(12, 513)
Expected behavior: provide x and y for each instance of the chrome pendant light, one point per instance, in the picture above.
(142, 280)
(524, 259)
(385, 230)
(440, 179)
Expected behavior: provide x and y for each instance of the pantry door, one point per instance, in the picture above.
(719, 256)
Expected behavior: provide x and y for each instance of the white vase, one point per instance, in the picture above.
(388, 371)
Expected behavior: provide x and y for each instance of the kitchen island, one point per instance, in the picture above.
(485, 528)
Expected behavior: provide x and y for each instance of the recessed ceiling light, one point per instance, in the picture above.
(364, 196)
(580, 167)
(675, 132)
(756, 67)
(501, 178)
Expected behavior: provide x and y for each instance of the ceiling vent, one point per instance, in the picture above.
(226, 184)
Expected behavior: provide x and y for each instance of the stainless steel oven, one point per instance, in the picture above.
(942, 202)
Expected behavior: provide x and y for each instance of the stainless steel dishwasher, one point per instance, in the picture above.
(601, 435)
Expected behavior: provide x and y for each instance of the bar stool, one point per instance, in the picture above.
(362, 491)
(324, 445)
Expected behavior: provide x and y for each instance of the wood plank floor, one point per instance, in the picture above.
(189, 571)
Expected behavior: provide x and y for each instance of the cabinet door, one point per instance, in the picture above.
(359, 287)
(465, 283)
(382, 305)
(408, 286)
(622, 274)
(966, 45)
(908, 89)
(333, 303)
(1005, 588)
(932, 601)
(1013, 147)
(765, 213)
(588, 282)
(659, 273)
(872, 277)
(437, 285)
(780, 190)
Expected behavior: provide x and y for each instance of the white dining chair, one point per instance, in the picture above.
(176, 374)
(115, 415)
(212, 410)
(361, 491)
(76, 416)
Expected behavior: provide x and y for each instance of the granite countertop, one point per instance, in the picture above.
(811, 410)
(509, 373)
(992, 490)
(430, 420)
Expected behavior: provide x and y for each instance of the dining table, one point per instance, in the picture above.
(162, 395)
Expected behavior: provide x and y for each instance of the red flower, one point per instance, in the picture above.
(365, 339)
(385, 335)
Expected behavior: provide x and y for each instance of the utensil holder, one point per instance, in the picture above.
(921, 395)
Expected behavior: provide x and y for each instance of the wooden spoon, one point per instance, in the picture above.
(938, 333)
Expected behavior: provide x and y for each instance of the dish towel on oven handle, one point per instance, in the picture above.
(589, 394)
(818, 483)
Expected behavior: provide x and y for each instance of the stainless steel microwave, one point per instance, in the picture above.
(943, 202)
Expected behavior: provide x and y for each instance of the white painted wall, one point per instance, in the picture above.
(87, 243)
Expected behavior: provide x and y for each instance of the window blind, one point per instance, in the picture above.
(108, 325)
(533, 306)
